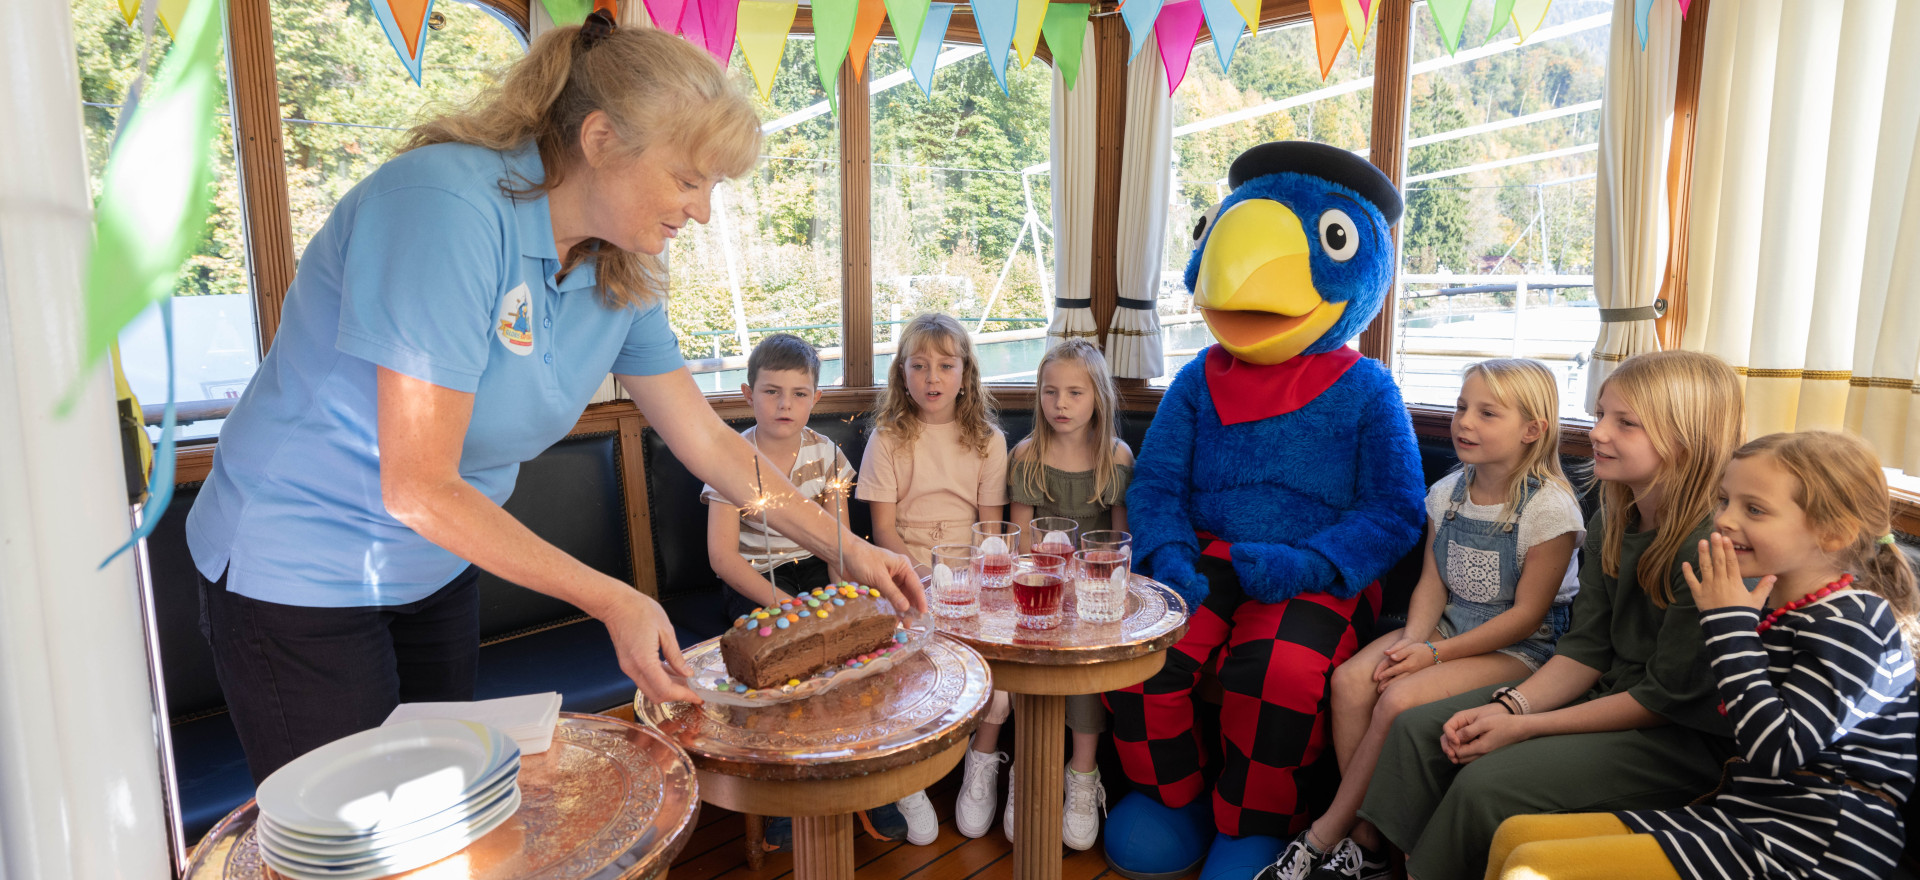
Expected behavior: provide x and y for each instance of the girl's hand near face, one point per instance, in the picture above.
(1718, 584)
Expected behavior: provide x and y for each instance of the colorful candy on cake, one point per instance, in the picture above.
(830, 627)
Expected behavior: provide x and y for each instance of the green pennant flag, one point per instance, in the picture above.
(1449, 17)
(154, 196)
(907, 17)
(565, 12)
(832, 36)
(1066, 29)
(1502, 16)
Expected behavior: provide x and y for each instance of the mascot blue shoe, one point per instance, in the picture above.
(1148, 840)
(1240, 858)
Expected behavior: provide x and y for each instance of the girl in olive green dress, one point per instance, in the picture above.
(1624, 715)
(1074, 465)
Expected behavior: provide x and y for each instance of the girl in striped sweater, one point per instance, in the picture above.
(1815, 668)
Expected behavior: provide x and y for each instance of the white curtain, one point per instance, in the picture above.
(1803, 266)
(1146, 166)
(1630, 230)
(1072, 151)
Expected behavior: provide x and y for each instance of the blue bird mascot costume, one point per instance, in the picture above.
(1278, 481)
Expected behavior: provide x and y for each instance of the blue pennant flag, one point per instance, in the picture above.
(1642, 10)
(996, 19)
(926, 55)
(1139, 16)
(1226, 24)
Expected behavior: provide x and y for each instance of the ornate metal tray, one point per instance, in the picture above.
(918, 709)
(610, 800)
(1156, 617)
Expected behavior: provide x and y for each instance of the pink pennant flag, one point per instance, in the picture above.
(1366, 8)
(1174, 31)
(693, 25)
(1683, 7)
(665, 14)
(722, 19)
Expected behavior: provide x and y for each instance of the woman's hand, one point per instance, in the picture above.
(889, 572)
(1719, 584)
(1473, 733)
(643, 637)
(1404, 658)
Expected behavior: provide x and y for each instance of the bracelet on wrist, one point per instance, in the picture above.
(1503, 703)
(1435, 651)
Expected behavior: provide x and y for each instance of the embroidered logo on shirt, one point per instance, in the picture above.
(515, 327)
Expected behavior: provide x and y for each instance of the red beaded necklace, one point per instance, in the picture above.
(1845, 581)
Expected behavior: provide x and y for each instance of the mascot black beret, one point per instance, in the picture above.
(1322, 161)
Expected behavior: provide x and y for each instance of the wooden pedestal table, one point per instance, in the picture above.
(863, 744)
(609, 800)
(1041, 668)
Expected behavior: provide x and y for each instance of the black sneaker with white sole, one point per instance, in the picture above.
(1351, 861)
(1296, 862)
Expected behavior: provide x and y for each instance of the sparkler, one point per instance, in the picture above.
(837, 488)
(758, 504)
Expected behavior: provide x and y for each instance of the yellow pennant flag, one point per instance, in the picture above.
(762, 35)
(1360, 21)
(1026, 30)
(129, 10)
(172, 12)
(1528, 15)
(1250, 10)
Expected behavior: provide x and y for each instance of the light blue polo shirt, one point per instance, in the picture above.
(426, 268)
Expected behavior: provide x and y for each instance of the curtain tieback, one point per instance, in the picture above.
(1638, 313)
(1064, 303)
(1127, 302)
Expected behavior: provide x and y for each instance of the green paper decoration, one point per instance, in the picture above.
(565, 12)
(907, 17)
(1065, 29)
(832, 36)
(1449, 17)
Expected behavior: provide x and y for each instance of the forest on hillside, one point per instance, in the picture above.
(960, 192)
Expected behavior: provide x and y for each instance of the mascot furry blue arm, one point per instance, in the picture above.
(1278, 482)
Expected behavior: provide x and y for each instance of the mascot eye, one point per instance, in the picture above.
(1339, 236)
(1200, 226)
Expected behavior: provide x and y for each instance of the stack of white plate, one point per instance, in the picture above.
(387, 800)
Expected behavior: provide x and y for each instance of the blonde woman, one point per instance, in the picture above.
(451, 320)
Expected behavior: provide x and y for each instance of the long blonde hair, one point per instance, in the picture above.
(1843, 492)
(654, 87)
(1104, 428)
(1690, 406)
(1526, 385)
(895, 413)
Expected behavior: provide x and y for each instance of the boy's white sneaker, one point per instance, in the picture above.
(973, 812)
(923, 827)
(1080, 823)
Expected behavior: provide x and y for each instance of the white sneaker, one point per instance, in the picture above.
(1079, 825)
(973, 812)
(923, 827)
(1006, 819)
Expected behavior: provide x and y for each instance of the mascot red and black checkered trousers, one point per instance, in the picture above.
(1278, 482)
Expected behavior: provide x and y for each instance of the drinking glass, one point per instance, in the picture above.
(1037, 595)
(956, 592)
(1108, 539)
(1052, 534)
(997, 544)
(1100, 585)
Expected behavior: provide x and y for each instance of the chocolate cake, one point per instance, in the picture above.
(805, 634)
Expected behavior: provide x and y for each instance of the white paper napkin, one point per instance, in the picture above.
(528, 719)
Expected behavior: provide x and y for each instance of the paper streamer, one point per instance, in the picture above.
(866, 26)
(1066, 31)
(1249, 10)
(1179, 24)
(1502, 14)
(1139, 16)
(1226, 25)
(665, 14)
(927, 54)
(1026, 30)
(764, 25)
(832, 34)
(1329, 31)
(996, 19)
(1360, 21)
(565, 12)
(907, 16)
(1683, 7)
(1528, 15)
(1449, 17)
(129, 10)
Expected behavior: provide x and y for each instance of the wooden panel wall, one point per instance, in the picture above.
(262, 160)
(856, 228)
(1392, 68)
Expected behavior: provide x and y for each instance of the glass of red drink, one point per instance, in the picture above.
(1037, 594)
(997, 543)
(1054, 535)
(1100, 585)
(953, 589)
(1108, 539)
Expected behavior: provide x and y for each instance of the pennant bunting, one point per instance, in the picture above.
(1449, 18)
(1226, 25)
(1139, 16)
(1360, 21)
(763, 38)
(173, 12)
(405, 21)
(1026, 30)
(1683, 8)
(1366, 8)
(1329, 31)
(563, 12)
(926, 55)
(1249, 10)
(721, 19)
(693, 23)
(996, 18)
(1502, 15)
(832, 34)
(665, 14)
(1528, 15)
(907, 17)
(129, 10)
(1642, 11)
(866, 26)
(1179, 24)
(1066, 31)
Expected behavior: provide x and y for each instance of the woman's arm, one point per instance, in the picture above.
(723, 551)
(1539, 580)
(716, 454)
(422, 428)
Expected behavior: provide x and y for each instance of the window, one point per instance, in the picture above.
(962, 207)
(1272, 92)
(768, 259)
(1498, 254)
(213, 313)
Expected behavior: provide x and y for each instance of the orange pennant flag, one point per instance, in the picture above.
(865, 28)
(1329, 32)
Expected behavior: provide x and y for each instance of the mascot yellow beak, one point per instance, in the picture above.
(1255, 286)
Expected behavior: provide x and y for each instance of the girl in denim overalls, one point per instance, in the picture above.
(1493, 596)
